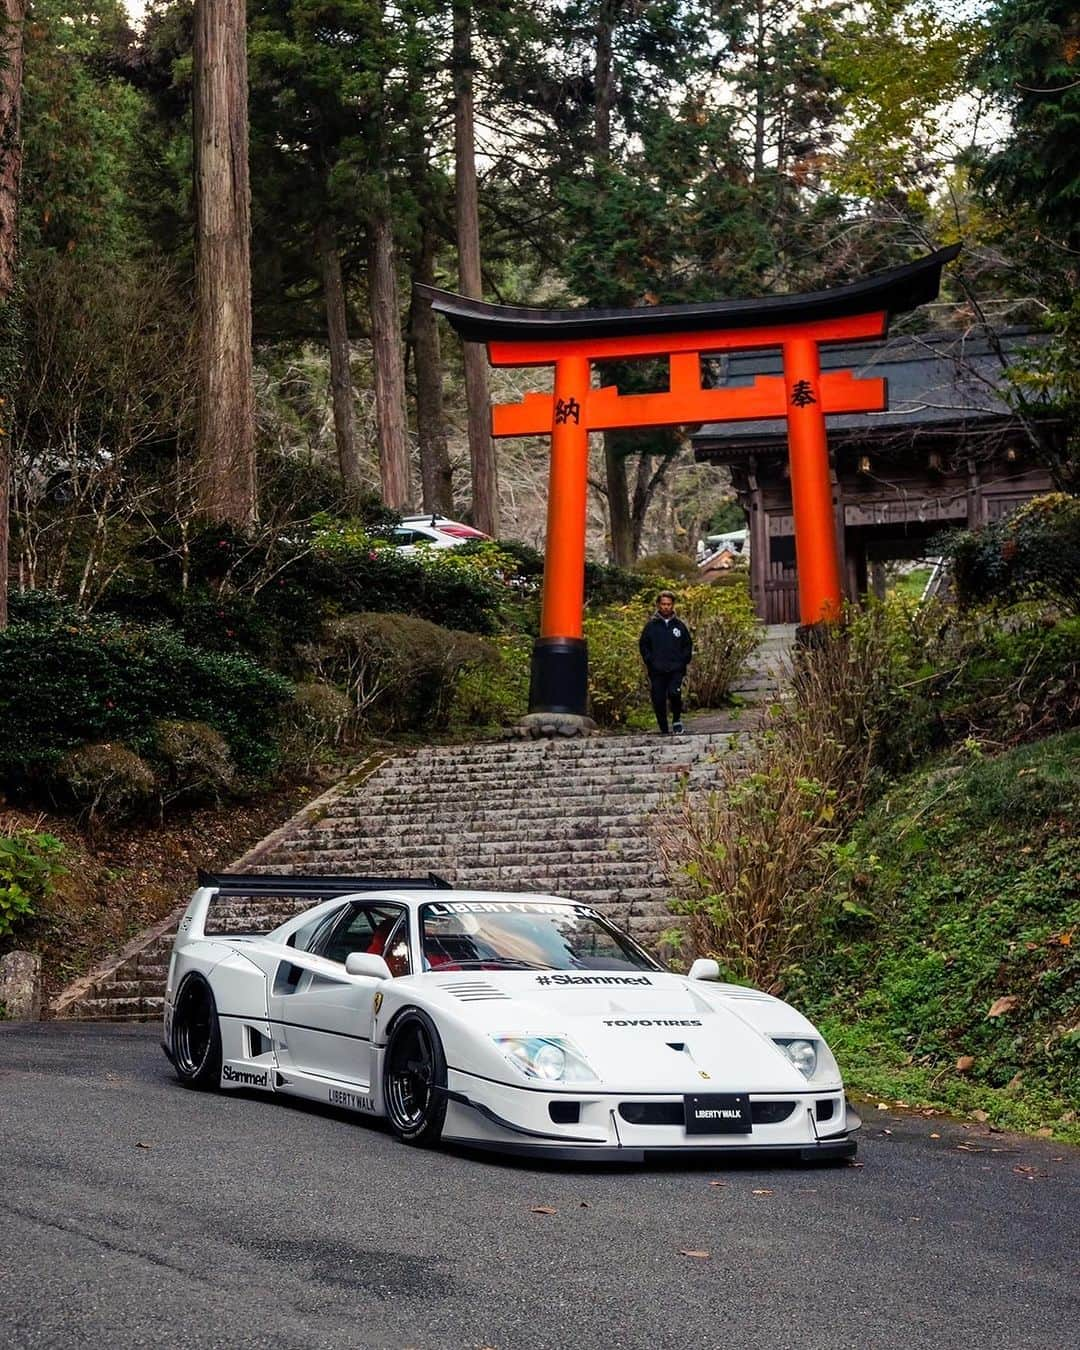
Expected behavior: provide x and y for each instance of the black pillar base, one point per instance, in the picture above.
(560, 676)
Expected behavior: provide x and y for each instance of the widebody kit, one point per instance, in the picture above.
(498, 1021)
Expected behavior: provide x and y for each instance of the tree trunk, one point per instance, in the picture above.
(11, 64)
(225, 418)
(389, 361)
(623, 552)
(341, 385)
(622, 538)
(485, 475)
(436, 475)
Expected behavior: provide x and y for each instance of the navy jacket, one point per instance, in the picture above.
(666, 644)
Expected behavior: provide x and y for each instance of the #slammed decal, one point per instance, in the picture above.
(592, 979)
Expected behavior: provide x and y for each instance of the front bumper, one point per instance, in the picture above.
(584, 1124)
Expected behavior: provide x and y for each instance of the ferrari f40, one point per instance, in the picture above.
(509, 1022)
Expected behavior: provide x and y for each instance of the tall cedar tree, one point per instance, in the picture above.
(11, 57)
(225, 431)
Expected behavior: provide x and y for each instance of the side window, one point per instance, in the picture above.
(363, 928)
(307, 939)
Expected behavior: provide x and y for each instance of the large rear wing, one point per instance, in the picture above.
(325, 888)
(252, 885)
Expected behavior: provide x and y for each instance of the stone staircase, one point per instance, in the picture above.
(573, 817)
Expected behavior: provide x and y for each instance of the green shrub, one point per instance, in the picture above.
(617, 685)
(107, 781)
(29, 865)
(77, 679)
(320, 719)
(667, 567)
(399, 671)
(606, 584)
(193, 761)
(725, 631)
(1032, 554)
(496, 690)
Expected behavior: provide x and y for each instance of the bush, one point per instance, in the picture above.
(606, 584)
(495, 691)
(617, 685)
(29, 865)
(667, 567)
(320, 720)
(193, 760)
(106, 781)
(76, 679)
(1032, 554)
(399, 672)
(725, 631)
(753, 863)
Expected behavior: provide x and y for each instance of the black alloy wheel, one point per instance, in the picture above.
(414, 1080)
(196, 1035)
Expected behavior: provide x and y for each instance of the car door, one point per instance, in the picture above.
(324, 1015)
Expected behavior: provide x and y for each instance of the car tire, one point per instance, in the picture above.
(196, 1036)
(414, 1080)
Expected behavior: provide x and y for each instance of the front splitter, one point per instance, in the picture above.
(829, 1150)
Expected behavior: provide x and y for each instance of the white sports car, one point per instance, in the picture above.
(509, 1022)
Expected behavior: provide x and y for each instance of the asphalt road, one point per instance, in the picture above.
(135, 1213)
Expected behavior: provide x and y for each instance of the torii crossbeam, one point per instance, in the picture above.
(572, 340)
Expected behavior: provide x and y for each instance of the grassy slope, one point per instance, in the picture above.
(965, 890)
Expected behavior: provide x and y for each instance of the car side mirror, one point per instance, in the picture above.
(367, 963)
(704, 968)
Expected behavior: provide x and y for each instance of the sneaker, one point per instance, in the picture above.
(677, 729)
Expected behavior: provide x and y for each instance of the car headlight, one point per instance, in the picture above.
(549, 1058)
(802, 1053)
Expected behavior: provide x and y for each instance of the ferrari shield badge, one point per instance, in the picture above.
(377, 1002)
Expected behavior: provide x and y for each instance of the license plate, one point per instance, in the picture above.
(717, 1113)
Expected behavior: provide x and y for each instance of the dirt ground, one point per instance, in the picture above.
(117, 883)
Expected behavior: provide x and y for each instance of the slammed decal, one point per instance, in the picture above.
(353, 1100)
(244, 1077)
(592, 979)
(652, 1021)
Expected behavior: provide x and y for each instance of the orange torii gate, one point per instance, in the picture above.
(572, 340)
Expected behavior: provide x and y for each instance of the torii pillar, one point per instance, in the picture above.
(572, 341)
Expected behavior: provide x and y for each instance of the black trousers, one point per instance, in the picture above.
(665, 688)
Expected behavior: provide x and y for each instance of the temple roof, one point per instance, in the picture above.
(940, 381)
(894, 291)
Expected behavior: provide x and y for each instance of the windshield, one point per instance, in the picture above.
(523, 935)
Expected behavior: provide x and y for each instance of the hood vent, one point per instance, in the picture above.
(473, 991)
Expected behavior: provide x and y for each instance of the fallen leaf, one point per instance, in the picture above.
(763, 1192)
(1065, 939)
(583, 1204)
(980, 1116)
(543, 1209)
(964, 1063)
(1045, 1133)
(886, 1131)
(698, 1256)
(970, 1148)
(883, 1106)
(140, 1143)
(1023, 1169)
(1002, 1005)
(935, 1136)
(717, 1183)
(855, 1164)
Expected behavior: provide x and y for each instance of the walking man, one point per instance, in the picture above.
(666, 648)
